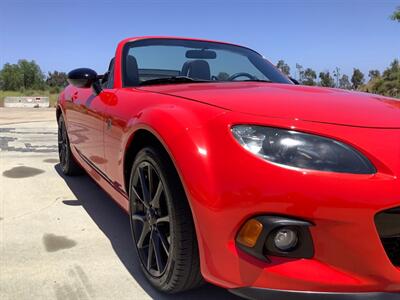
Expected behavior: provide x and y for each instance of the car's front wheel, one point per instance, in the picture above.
(162, 225)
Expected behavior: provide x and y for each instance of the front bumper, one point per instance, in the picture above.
(230, 186)
(268, 294)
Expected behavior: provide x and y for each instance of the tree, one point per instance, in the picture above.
(11, 77)
(33, 76)
(357, 79)
(372, 74)
(300, 73)
(326, 80)
(336, 74)
(396, 15)
(391, 80)
(284, 67)
(23, 75)
(387, 84)
(57, 79)
(309, 77)
(344, 82)
(392, 70)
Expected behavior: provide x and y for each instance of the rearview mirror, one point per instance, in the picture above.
(201, 54)
(85, 78)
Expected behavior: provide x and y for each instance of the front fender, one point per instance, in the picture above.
(185, 134)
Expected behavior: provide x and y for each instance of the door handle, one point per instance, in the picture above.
(74, 96)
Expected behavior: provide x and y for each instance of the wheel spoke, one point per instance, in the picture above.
(155, 202)
(138, 197)
(164, 219)
(164, 242)
(150, 179)
(145, 189)
(143, 235)
(150, 254)
(157, 252)
(137, 217)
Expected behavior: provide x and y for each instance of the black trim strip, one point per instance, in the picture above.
(114, 184)
(388, 225)
(270, 294)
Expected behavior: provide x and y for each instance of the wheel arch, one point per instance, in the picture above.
(142, 137)
(60, 104)
(167, 129)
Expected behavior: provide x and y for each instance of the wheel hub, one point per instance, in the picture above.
(151, 217)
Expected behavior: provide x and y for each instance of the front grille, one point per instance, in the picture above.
(388, 225)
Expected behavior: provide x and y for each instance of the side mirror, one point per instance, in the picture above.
(85, 78)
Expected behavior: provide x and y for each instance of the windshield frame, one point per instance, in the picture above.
(183, 42)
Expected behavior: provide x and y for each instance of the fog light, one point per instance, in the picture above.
(249, 233)
(285, 239)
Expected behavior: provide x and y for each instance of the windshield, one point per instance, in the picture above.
(158, 61)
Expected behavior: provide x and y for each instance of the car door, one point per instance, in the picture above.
(121, 108)
(85, 116)
(117, 113)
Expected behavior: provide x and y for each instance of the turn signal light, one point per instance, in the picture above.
(249, 233)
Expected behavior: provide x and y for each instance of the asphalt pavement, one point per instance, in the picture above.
(62, 237)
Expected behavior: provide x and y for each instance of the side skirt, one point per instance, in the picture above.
(112, 188)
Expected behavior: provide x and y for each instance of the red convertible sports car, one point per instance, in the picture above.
(234, 175)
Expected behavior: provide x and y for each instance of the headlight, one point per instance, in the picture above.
(301, 150)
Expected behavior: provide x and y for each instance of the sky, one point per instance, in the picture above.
(63, 35)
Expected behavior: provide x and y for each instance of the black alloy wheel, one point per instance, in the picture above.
(162, 224)
(150, 219)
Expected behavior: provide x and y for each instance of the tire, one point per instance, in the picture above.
(67, 162)
(162, 225)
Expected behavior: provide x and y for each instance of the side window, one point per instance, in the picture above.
(108, 80)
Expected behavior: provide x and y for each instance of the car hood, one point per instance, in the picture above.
(305, 103)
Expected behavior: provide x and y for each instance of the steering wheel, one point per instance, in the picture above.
(240, 74)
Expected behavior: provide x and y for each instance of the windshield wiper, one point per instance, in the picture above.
(173, 79)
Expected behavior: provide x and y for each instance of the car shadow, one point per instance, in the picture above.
(114, 223)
